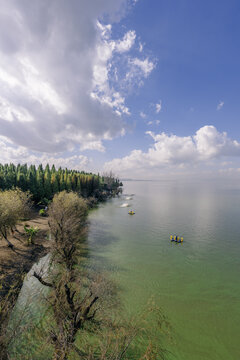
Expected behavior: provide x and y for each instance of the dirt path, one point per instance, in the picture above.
(17, 262)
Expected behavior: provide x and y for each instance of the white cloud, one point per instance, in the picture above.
(126, 43)
(19, 154)
(159, 107)
(153, 122)
(142, 114)
(174, 151)
(146, 66)
(220, 105)
(94, 145)
(60, 87)
(112, 76)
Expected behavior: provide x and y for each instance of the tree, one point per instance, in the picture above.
(80, 320)
(61, 183)
(44, 183)
(47, 183)
(54, 183)
(39, 181)
(14, 205)
(69, 183)
(109, 179)
(67, 222)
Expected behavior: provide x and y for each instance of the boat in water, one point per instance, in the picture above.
(176, 238)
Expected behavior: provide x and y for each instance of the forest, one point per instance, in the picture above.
(44, 182)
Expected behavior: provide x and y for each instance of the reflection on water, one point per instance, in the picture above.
(195, 282)
(32, 289)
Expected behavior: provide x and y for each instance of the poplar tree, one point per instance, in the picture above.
(47, 183)
(40, 188)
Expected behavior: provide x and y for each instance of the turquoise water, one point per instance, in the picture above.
(196, 283)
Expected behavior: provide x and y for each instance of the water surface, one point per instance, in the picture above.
(197, 282)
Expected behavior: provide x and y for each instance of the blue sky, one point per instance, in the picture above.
(145, 88)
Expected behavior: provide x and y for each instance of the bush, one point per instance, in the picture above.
(31, 233)
(42, 212)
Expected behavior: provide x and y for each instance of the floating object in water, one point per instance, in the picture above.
(124, 205)
(131, 212)
(129, 198)
(176, 238)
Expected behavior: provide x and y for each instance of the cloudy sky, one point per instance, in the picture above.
(142, 87)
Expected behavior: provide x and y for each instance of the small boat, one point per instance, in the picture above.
(176, 238)
(131, 212)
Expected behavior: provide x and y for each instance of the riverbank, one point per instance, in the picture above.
(16, 262)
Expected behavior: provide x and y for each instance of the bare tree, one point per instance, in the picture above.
(121, 338)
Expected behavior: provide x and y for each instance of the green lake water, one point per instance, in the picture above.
(195, 283)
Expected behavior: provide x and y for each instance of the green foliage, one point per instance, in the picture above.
(42, 212)
(14, 205)
(31, 232)
(67, 222)
(44, 183)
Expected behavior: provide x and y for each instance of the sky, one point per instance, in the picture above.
(147, 89)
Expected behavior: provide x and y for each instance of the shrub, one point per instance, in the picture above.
(31, 233)
(42, 212)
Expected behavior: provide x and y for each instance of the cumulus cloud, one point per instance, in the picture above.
(176, 151)
(21, 155)
(57, 89)
(220, 105)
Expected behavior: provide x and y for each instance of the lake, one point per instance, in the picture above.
(196, 283)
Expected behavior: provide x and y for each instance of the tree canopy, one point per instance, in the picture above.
(43, 183)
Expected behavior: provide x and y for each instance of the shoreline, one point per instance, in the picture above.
(16, 263)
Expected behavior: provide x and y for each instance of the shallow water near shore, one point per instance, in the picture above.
(196, 283)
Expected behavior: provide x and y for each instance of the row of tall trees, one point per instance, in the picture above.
(43, 183)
